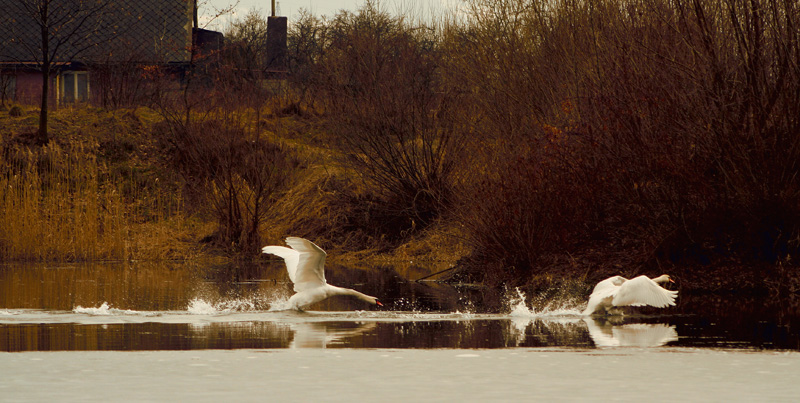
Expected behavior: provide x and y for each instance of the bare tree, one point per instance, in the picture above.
(50, 32)
(249, 39)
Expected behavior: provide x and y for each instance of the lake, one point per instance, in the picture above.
(145, 331)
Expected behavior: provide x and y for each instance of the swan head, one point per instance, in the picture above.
(664, 278)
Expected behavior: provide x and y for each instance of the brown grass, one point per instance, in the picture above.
(87, 195)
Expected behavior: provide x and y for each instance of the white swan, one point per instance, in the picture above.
(618, 291)
(305, 263)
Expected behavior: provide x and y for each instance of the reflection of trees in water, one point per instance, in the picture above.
(145, 336)
(229, 335)
(138, 286)
(467, 333)
(530, 332)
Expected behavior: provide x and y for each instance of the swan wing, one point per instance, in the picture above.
(602, 293)
(290, 256)
(609, 285)
(310, 271)
(642, 291)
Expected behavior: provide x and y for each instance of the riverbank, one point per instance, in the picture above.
(104, 189)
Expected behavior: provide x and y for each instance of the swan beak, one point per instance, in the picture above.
(671, 280)
(378, 303)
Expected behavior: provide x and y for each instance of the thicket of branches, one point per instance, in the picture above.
(669, 129)
(213, 136)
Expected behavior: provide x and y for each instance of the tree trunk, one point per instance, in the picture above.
(46, 63)
(43, 137)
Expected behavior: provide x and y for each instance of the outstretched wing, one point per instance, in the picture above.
(289, 255)
(602, 293)
(642, 291)
(305, 262)
(310, 271)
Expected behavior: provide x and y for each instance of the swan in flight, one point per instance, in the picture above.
(305, 263)
(618, 291)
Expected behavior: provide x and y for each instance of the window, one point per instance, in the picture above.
(74, 86)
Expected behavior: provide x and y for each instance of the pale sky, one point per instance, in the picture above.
(291, 8)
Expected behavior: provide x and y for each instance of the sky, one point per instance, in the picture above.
(291, 8)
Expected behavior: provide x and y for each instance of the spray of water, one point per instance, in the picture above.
(106, 310)
(208, 306)
(516, 303)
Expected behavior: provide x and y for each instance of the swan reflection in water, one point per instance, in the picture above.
(320, 334)
(606, 334)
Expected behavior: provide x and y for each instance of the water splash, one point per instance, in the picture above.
(279, 304)
(516, 304)
(202, 306)
(561, 307)
(106, 310)
(518, 308)
(101, 310)
(199, 306)
(406, 305)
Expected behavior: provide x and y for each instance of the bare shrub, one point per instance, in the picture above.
(680, 119)
(390, 115)
(247, 45)
(697, 146)
(236, 175)
(212, 135)
(120, 85)
(524, 206)
(306, 41)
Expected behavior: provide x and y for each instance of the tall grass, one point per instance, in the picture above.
(96, 192)
(55, 207)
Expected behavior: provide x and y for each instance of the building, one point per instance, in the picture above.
(92, 38)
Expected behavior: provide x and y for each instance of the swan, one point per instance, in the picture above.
(305, 263)
(618, 291)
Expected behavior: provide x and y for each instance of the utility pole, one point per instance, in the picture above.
(273, 8)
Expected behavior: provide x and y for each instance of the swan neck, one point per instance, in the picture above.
(349, 291)
(661, 279)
